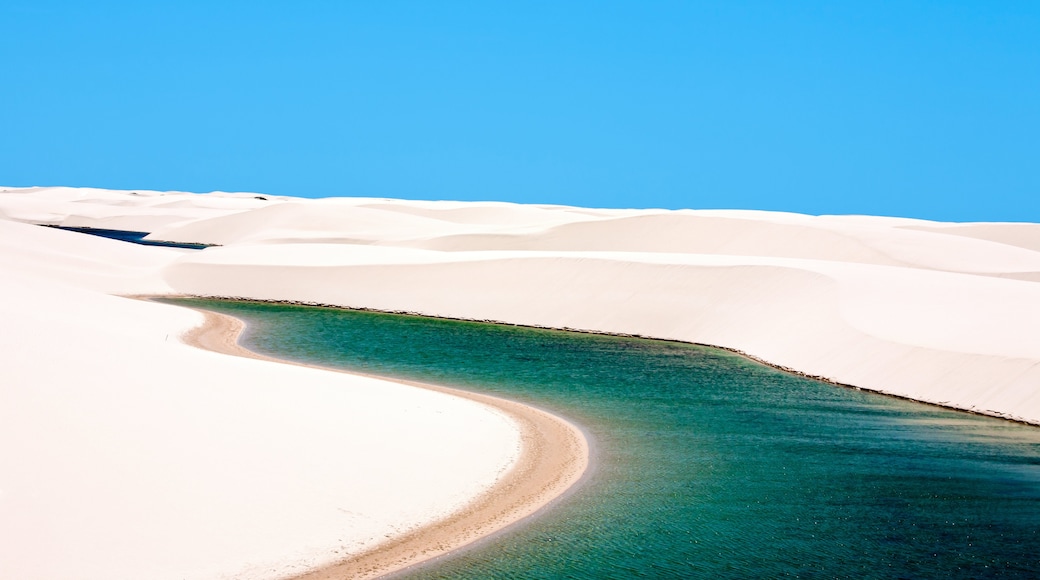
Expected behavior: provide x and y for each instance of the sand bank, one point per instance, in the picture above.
(962, 340)
(554, 456)
(125, 453)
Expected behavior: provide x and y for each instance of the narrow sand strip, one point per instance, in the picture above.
(554, 457)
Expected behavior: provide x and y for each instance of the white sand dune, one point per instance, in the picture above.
(959, 340)
(942, 313)
(354, 221)
(127, 454)
(143, 211)
(1024, 235)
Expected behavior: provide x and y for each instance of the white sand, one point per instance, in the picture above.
(126, 454)
(944, 313)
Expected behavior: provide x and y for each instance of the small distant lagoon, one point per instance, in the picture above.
(708, 465)
(133, 237)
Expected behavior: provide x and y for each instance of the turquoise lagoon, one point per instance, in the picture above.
(707, 464)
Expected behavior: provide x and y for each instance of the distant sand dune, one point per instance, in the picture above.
(1023, 235)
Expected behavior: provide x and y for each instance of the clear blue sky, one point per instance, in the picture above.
(922, 109)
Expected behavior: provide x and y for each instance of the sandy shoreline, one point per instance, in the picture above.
(553, 458)
(792, 371)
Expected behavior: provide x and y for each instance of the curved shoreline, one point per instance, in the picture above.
(736, 351)
(554, 456)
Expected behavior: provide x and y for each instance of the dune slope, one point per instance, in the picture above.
(125, 453)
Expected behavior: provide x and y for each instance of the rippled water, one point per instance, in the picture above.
(707, 464)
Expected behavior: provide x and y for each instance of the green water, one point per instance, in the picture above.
(708, 465)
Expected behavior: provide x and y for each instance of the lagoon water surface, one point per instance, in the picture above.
(707, 464)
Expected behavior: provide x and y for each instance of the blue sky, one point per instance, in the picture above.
(921, 109)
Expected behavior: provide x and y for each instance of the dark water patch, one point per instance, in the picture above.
(709, 465)
(131, 236)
